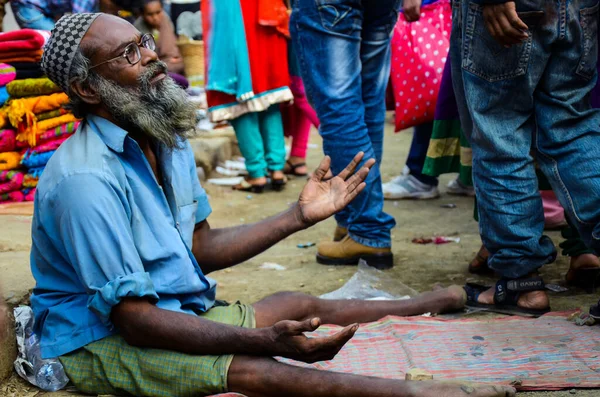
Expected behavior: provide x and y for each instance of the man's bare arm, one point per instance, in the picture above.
(216, 249)
(142, 324)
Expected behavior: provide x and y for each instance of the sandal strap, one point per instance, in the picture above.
(295, 166)
(508, 291)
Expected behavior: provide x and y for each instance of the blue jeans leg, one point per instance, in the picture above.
(418, 154)
(30, 17)
(332, 58)
(501, 89)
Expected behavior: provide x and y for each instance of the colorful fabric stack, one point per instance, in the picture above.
(33, 120)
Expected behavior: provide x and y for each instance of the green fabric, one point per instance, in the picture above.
(261, 141)
(111, 366)
(50, 115)
(443, 158)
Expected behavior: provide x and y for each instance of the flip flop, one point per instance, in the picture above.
(506, 296)
(293, 168)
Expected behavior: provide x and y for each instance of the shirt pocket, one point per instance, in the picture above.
(186, 222)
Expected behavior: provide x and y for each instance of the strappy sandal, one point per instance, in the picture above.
(292, 169)
(506, 296)
(245, 186)
(279, 183)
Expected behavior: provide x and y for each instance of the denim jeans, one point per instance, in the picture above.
(343, 48)
(418, 154)
(532, 100)
(30, 17)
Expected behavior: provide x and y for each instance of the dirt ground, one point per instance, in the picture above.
(417, 266)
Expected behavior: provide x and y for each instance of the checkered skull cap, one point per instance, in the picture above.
(62, 45)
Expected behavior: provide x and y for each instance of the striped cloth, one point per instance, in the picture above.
(548, 353)
(449, 151)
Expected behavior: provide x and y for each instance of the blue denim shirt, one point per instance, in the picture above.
(104, 229)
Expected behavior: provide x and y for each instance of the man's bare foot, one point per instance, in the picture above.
(439, 389)
(527, 300)
(445, 300)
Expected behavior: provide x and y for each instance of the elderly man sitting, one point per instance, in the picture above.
(121, 246)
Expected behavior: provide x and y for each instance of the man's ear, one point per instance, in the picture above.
(85, 92)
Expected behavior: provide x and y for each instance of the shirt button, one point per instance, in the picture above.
(177, 224)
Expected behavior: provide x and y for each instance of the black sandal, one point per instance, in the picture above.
(278, 184)
(506, 296)
(245, 186)
(293, 168)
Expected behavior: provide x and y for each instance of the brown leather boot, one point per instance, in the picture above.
(340, 233)
(349, 252)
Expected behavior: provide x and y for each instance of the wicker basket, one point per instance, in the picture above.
(192, 52)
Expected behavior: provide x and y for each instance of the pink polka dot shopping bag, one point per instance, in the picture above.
(419, 53)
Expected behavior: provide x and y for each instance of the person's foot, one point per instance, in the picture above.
(479, 264)
(349, 252)
(255, 185)
(408, 187)
(278, 180)
(459, 389)
(296, 166)
(584, 271)
(456, 188)
(340, 233)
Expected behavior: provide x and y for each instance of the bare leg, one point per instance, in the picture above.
(297, 306)
(265, 377)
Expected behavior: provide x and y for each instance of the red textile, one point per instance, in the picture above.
(22, 40)
(548, 353)
(8, 139)
(267, 50)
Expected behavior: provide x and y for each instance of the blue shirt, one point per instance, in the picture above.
(59, 7)
(104, 229)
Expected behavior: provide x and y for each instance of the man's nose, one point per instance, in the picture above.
(148, 56)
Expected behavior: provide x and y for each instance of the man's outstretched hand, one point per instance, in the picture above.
(504, 24)
(288, 340)
(322, 198)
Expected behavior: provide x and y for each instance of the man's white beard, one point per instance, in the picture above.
(161, 111)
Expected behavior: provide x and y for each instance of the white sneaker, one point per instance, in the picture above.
(457, 188)
(408, 187)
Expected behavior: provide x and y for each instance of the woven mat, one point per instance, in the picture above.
(548, 353)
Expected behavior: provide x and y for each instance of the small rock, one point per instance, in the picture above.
(301, 285)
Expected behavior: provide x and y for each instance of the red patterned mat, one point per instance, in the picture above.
(548, 353)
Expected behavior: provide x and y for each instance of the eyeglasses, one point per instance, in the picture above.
(132, 51)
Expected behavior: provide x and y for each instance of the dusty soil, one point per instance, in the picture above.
(417, 266)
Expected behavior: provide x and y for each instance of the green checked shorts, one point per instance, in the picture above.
(111, 366)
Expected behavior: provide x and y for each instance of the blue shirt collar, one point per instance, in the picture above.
(112, 135)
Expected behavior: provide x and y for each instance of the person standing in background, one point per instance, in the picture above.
(247, 78)
(297, 117)
(344, 54)
(156, 22)
(41, 14)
